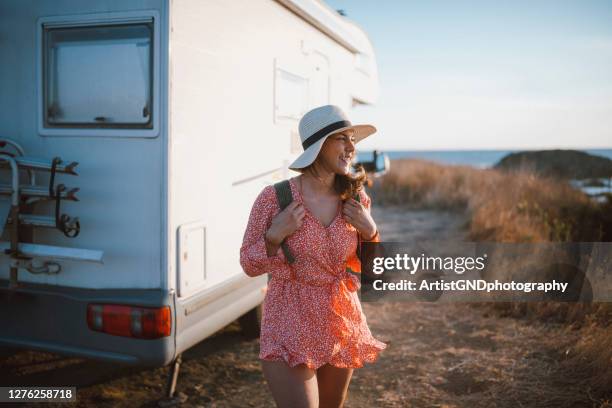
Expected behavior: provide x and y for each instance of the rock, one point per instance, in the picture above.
(566, 164)
(182, 397)
(178, 399)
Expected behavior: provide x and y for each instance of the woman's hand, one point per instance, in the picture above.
(359, 217)
(284, 224)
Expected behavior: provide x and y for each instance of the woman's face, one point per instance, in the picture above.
(337, 152)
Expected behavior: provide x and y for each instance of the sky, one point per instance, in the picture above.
(488, 74)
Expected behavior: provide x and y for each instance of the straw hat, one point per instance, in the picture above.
(320, 123)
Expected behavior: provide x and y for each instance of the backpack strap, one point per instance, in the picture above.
(357, 198)
(284, 198)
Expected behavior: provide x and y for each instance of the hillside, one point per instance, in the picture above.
(568, 164)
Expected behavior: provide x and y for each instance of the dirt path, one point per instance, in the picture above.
(439, 355)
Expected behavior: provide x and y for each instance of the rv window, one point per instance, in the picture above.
(98, 76)
(291, 95)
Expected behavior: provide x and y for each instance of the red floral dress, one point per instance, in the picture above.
(311, 312)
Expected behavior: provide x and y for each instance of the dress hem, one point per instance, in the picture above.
(316, 364)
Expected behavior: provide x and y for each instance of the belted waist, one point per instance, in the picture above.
(349, 280)
(343, 311)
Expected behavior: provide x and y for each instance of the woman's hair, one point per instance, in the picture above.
(346, 185)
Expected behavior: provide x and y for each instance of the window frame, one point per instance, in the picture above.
(293, 69)
(281, 112)
(91, 20)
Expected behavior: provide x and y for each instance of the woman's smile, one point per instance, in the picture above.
(346, 159)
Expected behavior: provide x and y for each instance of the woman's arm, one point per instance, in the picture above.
(367, 203)
(258, 255)
(353, 262)
(358, 214)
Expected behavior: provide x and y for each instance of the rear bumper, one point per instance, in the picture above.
(54, 318)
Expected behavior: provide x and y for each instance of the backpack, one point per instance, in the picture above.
(284, 198)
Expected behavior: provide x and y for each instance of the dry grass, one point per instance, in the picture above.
(520, 207)
(591, 358)
(504, 207)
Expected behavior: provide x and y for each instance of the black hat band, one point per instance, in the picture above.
(324, 132)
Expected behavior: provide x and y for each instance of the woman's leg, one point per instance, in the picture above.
(291, 386)
(333, 385)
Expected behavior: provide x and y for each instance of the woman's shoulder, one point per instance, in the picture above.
(267, 193)
(267, 198)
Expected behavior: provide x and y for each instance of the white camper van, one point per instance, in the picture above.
(134, 138)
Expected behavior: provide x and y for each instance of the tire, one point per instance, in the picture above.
(250, 323)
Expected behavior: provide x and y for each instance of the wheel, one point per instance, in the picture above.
(250, 322)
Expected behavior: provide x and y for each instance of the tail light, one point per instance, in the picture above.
(130, 321)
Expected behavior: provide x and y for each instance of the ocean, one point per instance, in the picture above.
(475, 158)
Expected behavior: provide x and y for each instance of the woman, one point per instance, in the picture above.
(313, 331)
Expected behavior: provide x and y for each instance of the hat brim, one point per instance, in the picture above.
(309, 155)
